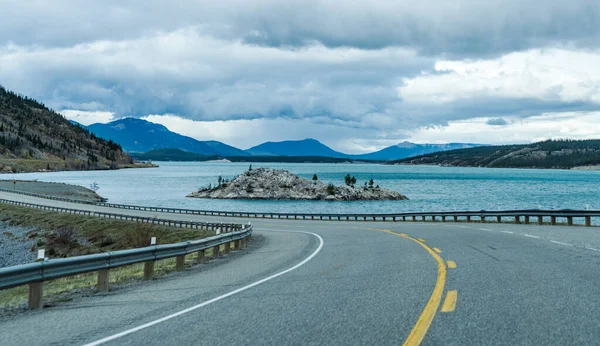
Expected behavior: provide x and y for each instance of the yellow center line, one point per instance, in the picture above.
(417, 334)
(437, 250)
(451, 264)
(450, 301)
(421, 240)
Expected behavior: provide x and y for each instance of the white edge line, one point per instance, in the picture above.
(560, 243)
(195, 307)
(508, 232)
(530, 236)
(486, 229)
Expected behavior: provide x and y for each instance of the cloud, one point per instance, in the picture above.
(438, 27)
(189, 73)
(552, 74)
(496, 122)
(524, 83)
(88, 118)
(571, 125)
(356, 75)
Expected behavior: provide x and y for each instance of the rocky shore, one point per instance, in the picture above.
(275, 184)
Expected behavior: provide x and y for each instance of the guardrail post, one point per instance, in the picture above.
(570, 220)
(201, 257)
(180, 263)
(227, 248)
(102, 284)
(526, 219)
(499, 219)
(237, 244)
(455, 218)
(36, 293)
(216, 252)
(588, 221)
(540, 220)
(148, 270)
(517, 219)
(553, 220)
(468, 218)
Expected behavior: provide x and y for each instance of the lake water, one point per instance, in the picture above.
(428, 188)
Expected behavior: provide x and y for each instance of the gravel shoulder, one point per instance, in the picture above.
(52, 189)
(15, 247)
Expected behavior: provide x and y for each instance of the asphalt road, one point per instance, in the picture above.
(314, 282)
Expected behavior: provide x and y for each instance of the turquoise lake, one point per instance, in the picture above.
(429, 188)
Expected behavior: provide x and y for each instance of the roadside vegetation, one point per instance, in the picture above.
(64, 235)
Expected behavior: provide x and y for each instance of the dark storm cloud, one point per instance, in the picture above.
(441, 27)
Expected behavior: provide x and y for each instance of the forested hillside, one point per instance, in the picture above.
(563, 154)
(33, 138)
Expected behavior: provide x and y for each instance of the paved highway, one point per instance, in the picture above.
(313, 282)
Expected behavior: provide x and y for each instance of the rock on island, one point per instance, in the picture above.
(277, 184)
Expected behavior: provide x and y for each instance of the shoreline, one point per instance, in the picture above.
(577, 168)
(42, 164)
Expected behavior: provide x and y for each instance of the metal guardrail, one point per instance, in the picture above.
(155, 221)
(482, 215)
(36, 273)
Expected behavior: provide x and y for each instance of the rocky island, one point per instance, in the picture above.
(276, 184)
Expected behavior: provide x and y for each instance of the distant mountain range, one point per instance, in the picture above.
(312, 147)
(141, 136)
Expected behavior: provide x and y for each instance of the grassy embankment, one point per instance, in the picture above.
(9, 165)
(63, 235)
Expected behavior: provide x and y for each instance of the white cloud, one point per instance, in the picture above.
(571, 125)
(550, 74)
(88, 117)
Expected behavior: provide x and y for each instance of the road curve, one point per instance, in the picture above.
(350, 283)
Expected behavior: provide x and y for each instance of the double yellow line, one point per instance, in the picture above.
(418, 332)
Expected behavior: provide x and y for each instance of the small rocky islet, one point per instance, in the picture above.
(278, 184)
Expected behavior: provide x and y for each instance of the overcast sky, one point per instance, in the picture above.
(357, 75)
